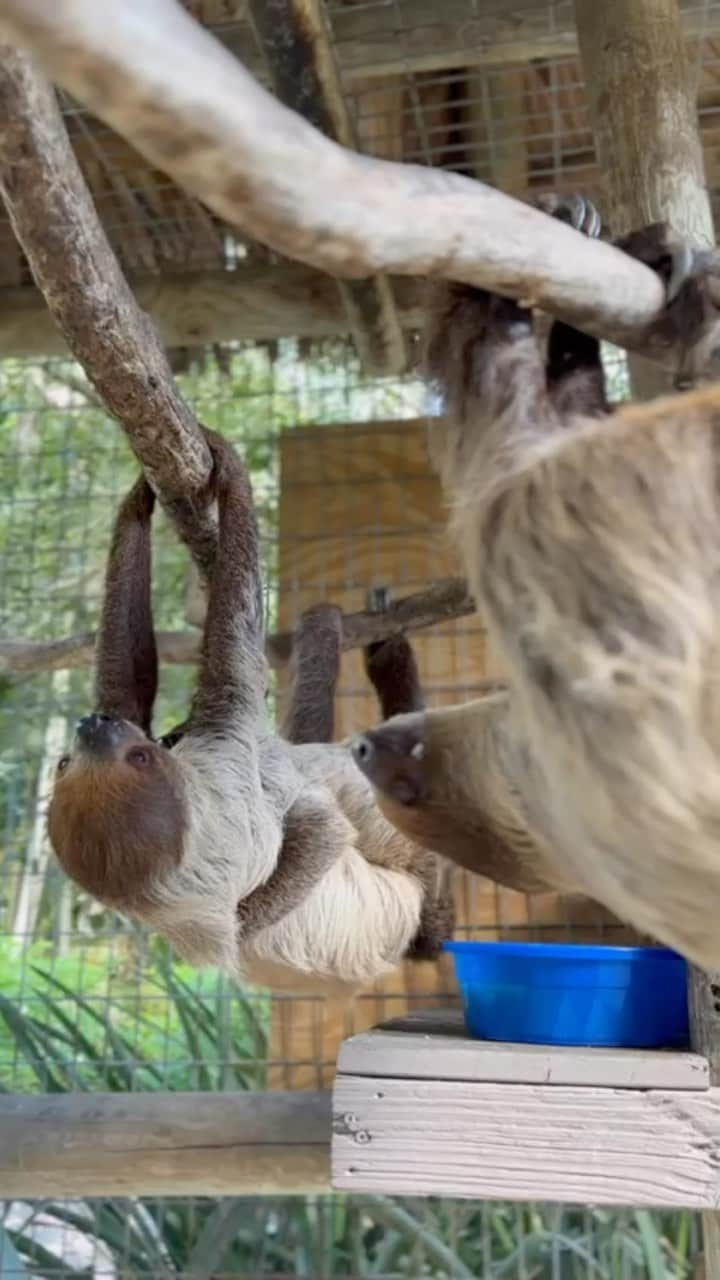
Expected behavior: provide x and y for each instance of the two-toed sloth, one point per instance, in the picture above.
(265, 855)
(592, 544)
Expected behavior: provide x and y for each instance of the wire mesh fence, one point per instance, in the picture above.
(346, 501)
(88, 1002)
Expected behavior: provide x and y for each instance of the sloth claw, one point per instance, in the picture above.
(574, 209)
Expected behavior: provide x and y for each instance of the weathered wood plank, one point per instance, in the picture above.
(432, 1045)
(527, 1142)
(164, 1144)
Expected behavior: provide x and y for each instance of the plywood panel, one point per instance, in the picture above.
(359, 507)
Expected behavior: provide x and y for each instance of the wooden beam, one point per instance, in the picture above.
(55, 221)
(295, 40)
(262, 301)
(439, 603)
(374, 40)
(164, 1144)
(528, 1142)
(187, 104)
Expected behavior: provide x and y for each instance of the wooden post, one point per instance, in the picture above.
(644, 112)
(158, 1144)
(643, 103)
(296, 43)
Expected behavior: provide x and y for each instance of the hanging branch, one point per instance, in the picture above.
(190, 107)
(441, 602)
(55, 221)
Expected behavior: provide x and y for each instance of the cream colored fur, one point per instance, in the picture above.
(352, 928)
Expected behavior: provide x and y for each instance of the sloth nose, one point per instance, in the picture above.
(98, 735)
(392, 760)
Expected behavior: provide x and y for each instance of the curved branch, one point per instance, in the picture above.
(53, 216)
(441, 602)
(189, 106)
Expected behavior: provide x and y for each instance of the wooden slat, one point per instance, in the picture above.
(527, 1142)
(164, 1144)
(433, 1045)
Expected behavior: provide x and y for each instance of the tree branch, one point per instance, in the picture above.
(441, 602)
(188, 105)
(55, 221)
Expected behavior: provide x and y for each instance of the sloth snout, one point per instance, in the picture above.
(392, 760)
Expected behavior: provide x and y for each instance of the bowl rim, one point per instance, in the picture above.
(563, 951)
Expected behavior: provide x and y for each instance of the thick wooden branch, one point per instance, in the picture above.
(164, 1144)
(294, 37)
(73, 264)
(192, 109)
(441, 602)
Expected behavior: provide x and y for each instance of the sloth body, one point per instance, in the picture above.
(592, 545)
(264, 856)
(356, 922)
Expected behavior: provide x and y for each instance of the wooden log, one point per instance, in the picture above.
(164, 1144)
(54, 219)
(643, 104)
(271, 173)
(295, 40)
(440, 602)
(262, 301)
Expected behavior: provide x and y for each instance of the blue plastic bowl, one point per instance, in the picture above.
(550, 993)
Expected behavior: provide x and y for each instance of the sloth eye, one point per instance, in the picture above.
(63, 764)
(138, 757)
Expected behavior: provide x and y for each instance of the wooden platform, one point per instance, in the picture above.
(421, 1109)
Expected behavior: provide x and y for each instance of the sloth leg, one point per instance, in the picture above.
(317, 645)
(391, 669)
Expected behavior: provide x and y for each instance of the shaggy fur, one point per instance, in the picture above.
(592, 547)
(268, 858)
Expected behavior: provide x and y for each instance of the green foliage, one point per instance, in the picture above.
(102, 1018)
(363, 1236)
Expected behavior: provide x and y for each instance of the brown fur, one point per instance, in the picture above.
(244, 849)
(591, 547)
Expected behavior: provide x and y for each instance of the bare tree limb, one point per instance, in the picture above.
(441, 602)
(188, 105)
(73, 264)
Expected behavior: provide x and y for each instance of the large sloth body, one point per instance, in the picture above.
(267, 857)
(593, 547)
